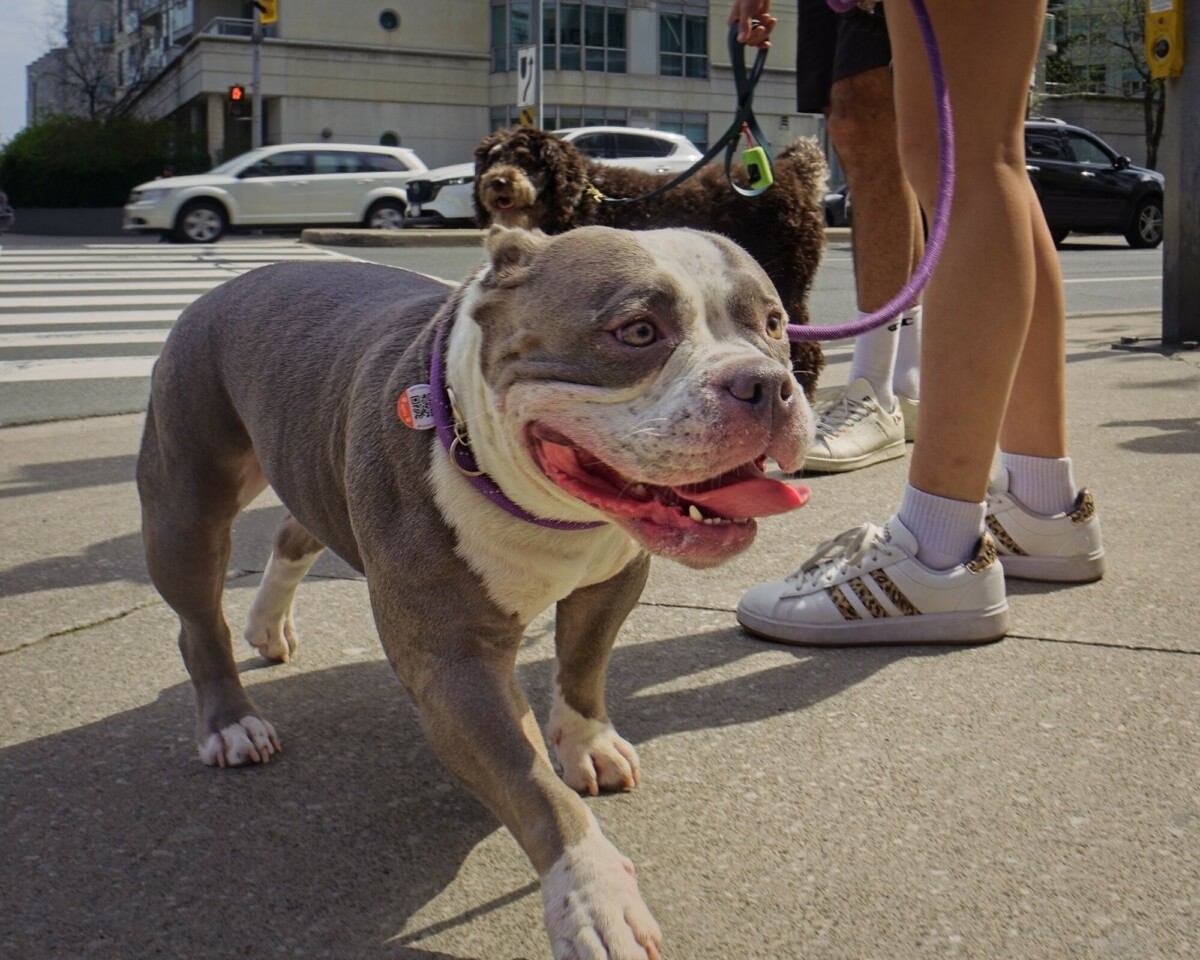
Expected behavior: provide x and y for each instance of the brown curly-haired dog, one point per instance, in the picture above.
(525, 177)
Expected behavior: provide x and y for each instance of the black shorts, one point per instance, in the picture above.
(832, 46)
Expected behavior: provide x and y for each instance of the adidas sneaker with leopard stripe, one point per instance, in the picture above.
(1061, 548)
(866, 587)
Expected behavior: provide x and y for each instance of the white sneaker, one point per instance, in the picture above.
(867, 587)
(909, 409)
(1063, 548)
(853, 430)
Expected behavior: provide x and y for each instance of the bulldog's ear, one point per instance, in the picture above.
(510, 252)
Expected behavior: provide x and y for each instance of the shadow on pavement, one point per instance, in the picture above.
(119, 843)
(123, 558)
(55, 477)
(1178, 435)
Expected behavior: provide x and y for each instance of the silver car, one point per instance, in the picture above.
(446, 194)
(292, 185)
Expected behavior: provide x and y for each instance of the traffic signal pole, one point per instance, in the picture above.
(256, 117)
(1181, 165)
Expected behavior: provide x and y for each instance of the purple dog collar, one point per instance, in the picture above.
(454, 440)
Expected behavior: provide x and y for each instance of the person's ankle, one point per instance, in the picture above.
(947, 531)
(1044, 485)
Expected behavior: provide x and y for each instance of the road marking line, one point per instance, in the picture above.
(82, 338)
(50, 318)
(150, 300)
(98, 368)
(1148, 276)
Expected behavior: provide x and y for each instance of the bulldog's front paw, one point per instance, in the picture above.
(592, 906)
(273, 636)
(251, 740)
(591, 752)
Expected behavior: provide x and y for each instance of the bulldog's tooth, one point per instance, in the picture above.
(639, 490)
(695, 514)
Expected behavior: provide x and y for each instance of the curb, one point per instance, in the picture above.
(408, 237)
(433, 237)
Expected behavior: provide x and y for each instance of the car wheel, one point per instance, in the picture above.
(1146, 228)
(201, 221)
(1058, 236)
(386, 215)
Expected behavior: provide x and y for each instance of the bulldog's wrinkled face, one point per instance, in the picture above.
(647, 374)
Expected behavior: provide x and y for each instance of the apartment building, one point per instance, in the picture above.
(435, 75)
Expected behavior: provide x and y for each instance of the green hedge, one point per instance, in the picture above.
(73, 162)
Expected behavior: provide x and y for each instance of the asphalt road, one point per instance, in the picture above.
(92, 342)
(1101, 274)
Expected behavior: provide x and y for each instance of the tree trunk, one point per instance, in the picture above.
(1154, 102)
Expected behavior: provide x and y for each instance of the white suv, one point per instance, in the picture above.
(296, 184)
(446, 194)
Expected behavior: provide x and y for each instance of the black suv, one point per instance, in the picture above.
(1087, 187)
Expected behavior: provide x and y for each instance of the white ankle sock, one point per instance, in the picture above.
(947, 531)
(874, 357)
(906, 375)
(1046, 485)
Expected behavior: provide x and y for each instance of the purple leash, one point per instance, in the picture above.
(461, 455)
(941, 218)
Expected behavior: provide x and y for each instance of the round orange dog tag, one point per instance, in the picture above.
(414, 408)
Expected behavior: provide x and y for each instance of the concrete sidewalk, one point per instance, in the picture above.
(1035, 798)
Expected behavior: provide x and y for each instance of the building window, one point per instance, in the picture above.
(575, 36)
(694, 126)
(389, 139)
(564, 116)
(389, 20)
(1092, 77)
(683, 40)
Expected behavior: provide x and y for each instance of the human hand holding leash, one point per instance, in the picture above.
(754, 21)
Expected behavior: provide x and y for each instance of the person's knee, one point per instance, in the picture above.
(920, 160)
(862, 121)
(977, 161)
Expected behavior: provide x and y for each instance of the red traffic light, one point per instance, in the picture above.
(237, 93)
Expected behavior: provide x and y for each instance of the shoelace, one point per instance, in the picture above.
(853, 548)
(840, 413)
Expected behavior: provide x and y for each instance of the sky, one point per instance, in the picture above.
(26, 34)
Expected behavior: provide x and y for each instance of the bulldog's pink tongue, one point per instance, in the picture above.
(752, 497)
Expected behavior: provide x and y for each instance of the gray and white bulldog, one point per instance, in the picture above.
(594, 398)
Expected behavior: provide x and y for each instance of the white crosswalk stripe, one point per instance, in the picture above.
(102, 311)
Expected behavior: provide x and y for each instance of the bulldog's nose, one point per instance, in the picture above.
(762, 389)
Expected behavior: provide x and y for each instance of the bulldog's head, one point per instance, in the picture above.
(647, 375)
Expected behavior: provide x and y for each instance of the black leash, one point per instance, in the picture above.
(757, 159)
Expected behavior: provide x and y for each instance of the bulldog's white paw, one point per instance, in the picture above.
(591, 753)
(273, 636)
(592, 906)
(250, 740)
(269, 627)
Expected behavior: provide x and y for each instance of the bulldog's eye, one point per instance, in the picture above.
(776, 327)
(638, 333)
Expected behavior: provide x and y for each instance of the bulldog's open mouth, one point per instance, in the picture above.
(701, 521)
(502, 202)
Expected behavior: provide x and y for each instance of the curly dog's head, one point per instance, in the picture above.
(528, 178)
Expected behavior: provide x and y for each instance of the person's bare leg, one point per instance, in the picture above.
(862, 126)
(860, 425)
(1035, 422)
(980, 301)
